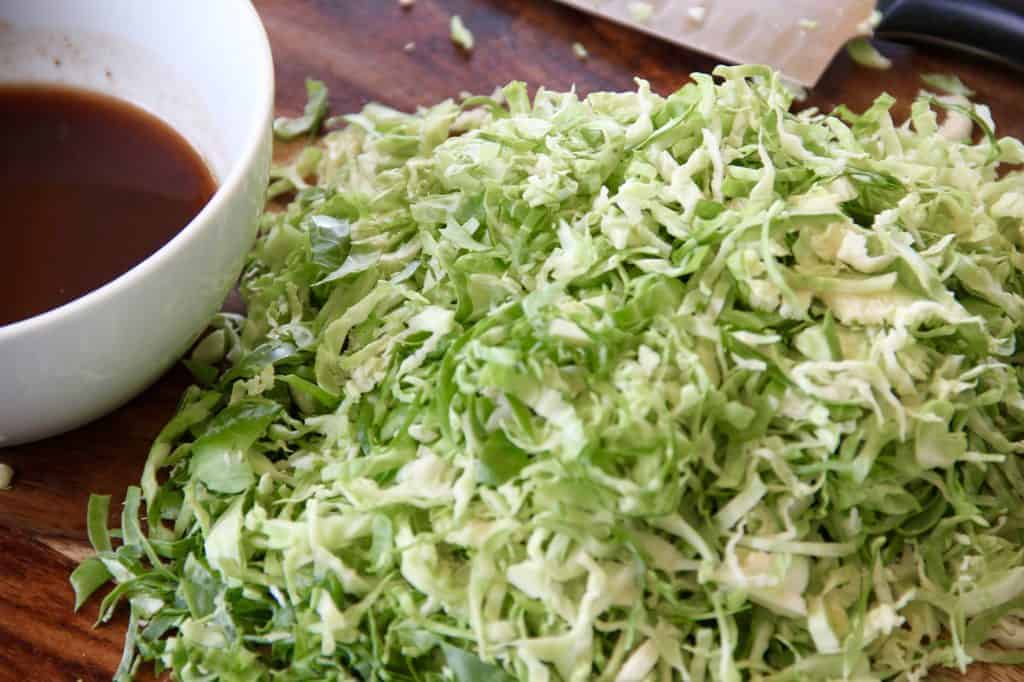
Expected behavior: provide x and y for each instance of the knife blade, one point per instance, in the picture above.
(800, 37)
(797, 37)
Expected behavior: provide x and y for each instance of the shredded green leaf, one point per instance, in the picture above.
(626, 388)
(461, 35)
(948, 83)
(640, 11)
(312, 115)
(864, 53)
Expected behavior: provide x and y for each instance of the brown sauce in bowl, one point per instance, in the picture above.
(90, 186)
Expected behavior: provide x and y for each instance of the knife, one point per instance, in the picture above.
(800, 37)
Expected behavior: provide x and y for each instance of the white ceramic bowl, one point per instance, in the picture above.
(204, 66)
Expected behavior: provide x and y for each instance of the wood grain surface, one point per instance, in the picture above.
(356, 46)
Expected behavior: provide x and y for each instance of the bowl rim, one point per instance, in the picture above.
(259, 126)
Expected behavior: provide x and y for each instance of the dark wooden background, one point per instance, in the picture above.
(356, 46)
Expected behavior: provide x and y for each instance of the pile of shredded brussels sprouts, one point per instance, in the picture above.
(619, 388)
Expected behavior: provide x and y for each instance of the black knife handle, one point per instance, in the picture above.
(994, 28)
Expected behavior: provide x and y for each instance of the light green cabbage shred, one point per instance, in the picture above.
(864, 53)
(628, 388)
(461, 35)
(948, 83)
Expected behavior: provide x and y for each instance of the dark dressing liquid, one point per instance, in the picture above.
(89, 187)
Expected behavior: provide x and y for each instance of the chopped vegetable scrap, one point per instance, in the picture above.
(461, 35)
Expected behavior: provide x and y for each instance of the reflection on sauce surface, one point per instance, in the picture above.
(90, 186)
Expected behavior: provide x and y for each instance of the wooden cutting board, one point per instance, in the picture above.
(357, 47)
